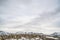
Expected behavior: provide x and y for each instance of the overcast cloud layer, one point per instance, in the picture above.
(30, 15)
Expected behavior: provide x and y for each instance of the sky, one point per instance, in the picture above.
(30, 16)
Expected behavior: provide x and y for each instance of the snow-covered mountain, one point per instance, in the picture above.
(4, 33)
(7, 33)
(20, 32)
(29, 33)
(56, 34)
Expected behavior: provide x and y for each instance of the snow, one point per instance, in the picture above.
(24, 39)
(51, 37)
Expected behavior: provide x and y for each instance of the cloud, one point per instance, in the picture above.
(45, 22)
(32, 14)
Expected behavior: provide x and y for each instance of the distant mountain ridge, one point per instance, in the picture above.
(20, 32)
(4, 33)
(56, 34)
(7, 33)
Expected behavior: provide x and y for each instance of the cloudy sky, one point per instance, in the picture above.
(30, 16)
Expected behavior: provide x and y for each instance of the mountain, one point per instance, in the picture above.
(20, 32)
(29, 33)
(4, 33)
(56, 34)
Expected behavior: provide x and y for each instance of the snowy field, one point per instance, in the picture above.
(25, 39)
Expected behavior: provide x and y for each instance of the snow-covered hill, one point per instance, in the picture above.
(4, 33)
(56, 34)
